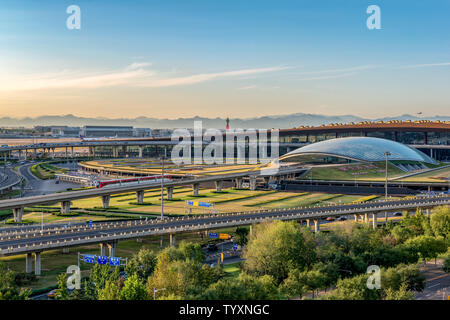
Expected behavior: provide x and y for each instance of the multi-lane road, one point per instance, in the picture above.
(35, 186)
(21, 240)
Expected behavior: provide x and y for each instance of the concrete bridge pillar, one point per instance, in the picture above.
(308, 223)
(356, 217)
(65, 207)
(34, 154)
(169, 193)
(172, 239)
(18, 214)
(219, 185)
(53, 153)
(65, 250)
(195, 187)
(366, 218)
(103, 247)
(115, 152)
(374, 220)
(316, 226)
(71, 152)
(140, 196)
(112, 248)
(26, 155)
(37, 263)
(29, 263)
(140, 151)
(238, 183)
(105, 201)
(253, 183)
(66, 154)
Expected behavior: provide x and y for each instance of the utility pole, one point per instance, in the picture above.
(162, 188)
(386, 154)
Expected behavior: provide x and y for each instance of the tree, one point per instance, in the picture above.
(403, 275)
(61, 292)
(111, 291)
(133, 289)
(401, 294)
(275, 249)
(142, 264)
(428, 247)
(446, 262)
(191, 251)
(354, 288)
(9, 290)
(244, 287)
(165, 275)
(440, 222)
(242, 236)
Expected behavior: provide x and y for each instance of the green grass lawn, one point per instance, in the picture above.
(359, 171)
(45, 170)
(232, 270)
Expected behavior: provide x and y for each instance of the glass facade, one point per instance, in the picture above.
(360, 148)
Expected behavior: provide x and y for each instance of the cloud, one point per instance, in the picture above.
(426, 65)
(203, 77)
(134, 75)
(330, 76)
(351, 69)
(247, 87)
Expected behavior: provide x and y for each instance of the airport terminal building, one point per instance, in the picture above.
(430, 137)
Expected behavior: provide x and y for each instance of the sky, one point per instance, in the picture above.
(234, 58)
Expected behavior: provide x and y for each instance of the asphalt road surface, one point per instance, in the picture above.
(437, 283)
(36, 186)
(9, 177)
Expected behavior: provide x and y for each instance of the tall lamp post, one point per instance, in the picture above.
(386, 154)
(162, 188)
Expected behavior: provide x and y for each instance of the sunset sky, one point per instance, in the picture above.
(236, 58)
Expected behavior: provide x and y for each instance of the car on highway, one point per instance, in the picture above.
(342, 219)
(52, 294)
(397, 214)
(330, 219)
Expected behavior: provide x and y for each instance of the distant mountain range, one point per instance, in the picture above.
(277, 121)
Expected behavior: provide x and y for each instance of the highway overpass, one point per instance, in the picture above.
(121, 144)
(65, 198)
(29, 241)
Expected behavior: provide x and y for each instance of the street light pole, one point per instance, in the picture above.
(386, 154)
(162, 189)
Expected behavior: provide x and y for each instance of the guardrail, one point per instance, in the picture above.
(137, 229)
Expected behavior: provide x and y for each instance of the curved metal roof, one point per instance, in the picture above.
(361, 148)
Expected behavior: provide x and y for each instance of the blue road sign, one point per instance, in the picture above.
(89, 258)
(204, 204)
(102, 259)
(90, 223)
(125, 275)
(213, 235)
(114, 261)
(235, 246)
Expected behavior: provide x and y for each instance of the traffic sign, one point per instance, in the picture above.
(114, 261)
(89, 258)
(90, 223)
(221, 257)
(235, 246)
(224, 236)
(102, 259)
(213, 235)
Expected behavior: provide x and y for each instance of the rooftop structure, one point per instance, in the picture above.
(355, 149)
